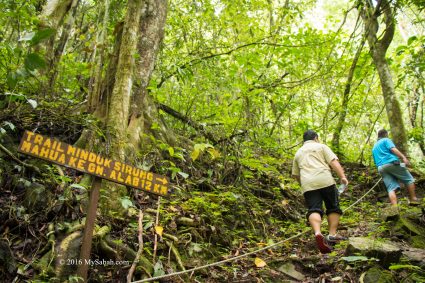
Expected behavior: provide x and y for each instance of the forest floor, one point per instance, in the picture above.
(299, 260)
(206, 222)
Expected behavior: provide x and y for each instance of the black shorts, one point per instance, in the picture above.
(314, 201)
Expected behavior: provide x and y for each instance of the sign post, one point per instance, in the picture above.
(101, 168)
(83, 266)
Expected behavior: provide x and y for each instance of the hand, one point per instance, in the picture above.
(406, 161)
(344, 181)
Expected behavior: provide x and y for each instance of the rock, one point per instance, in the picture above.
(412, 229)
(377, 275)
(390, 213)
(415, 256)
(418, 241)
(387, 252)
(408, 223)
(289, 269)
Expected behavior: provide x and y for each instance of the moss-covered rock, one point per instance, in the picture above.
(418, 241)
(386, 251)
(412, 230)
(378, 275)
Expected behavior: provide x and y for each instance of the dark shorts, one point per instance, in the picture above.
(315, 199)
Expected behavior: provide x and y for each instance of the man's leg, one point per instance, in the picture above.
(333, 221)
(393, 197)
(314, 215)
(315, 221)
(411, 191)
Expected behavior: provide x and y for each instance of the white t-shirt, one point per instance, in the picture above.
(311, 163)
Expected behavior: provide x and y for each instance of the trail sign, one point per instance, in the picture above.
(102, 168)
(89, 162)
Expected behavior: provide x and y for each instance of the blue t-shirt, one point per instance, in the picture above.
(382, 153)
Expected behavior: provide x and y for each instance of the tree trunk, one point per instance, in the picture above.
(378, 49)
(143, 110)
(345, 100)
(118, 114)
(54, 12)
(96, 76)
(54, 60)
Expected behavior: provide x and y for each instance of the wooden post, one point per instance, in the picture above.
(84, 262)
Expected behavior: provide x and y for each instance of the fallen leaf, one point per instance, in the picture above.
(159, 230)
(259, 262)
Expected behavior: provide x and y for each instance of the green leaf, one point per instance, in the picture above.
(411, 39)
(12, 80)
(77, 186)
(41, 35)
(195, 154)
(9, 124)
(184, 175)
(158, 269)
(33, 103)
(355, 258)
(400, 49)
(27, 36)
(404, 266)
(34, 61)
(126, 203)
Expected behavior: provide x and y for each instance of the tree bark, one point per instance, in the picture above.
(118, 114)
(53, 13)
(378, 49)
(143, 109)
(345, 100)
(96, 76)
(54, 59)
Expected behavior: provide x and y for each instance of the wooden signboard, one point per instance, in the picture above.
(88, 162)
(102, 168)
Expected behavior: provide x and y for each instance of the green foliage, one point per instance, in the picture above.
(351, 259)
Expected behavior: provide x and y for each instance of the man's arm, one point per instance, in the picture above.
(296, 177)
(336, 166)
(400, 155)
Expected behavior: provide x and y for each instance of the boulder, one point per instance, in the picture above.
(289, 270)
(415, 256)
(385, 251)
(377, 275)
(390, 213)
(410, 224)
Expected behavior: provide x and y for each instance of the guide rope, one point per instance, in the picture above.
(249, 253)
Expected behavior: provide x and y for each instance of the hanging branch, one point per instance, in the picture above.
(197, 126)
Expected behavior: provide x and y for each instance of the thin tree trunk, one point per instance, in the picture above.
(345, 100)
(96, 78)
(61, 45)
(378, 50)
(53, 13)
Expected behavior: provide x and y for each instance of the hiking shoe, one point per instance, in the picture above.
(334, 239)
(414, 203)
(322, 244)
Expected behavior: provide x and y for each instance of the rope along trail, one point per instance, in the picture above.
(249, 253)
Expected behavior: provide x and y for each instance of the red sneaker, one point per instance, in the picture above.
(322, 244)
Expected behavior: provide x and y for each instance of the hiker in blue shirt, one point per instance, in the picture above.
(391, 165)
